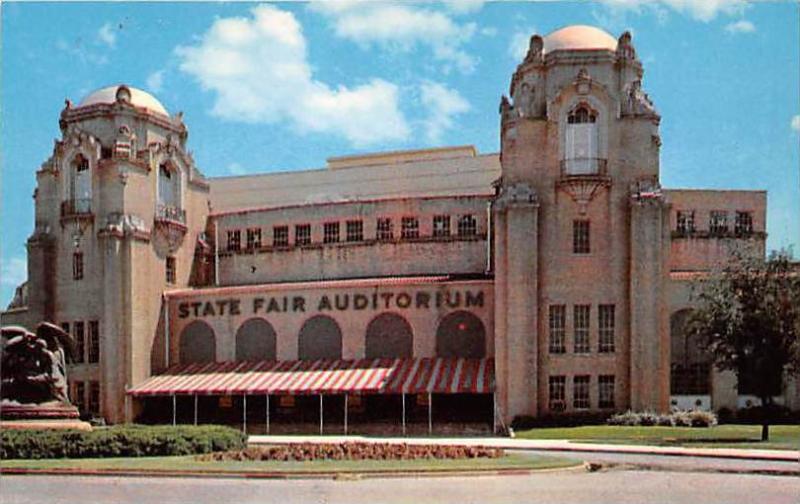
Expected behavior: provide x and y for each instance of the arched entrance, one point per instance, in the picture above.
(197, 343)
(256, 340)
(320, 338)
(389, 335)
(690, 362)
(461, 334)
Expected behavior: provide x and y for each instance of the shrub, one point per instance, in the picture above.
(119, 441)
(629, 418)
(354, 451)
(699, 418)
(693, 418)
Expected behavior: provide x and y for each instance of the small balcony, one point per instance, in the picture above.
(170, 215)
(584, 167)
(76, 209)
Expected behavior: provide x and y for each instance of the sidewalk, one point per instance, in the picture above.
(557, 445)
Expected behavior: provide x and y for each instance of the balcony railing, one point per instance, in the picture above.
(584, 167)
(76, 207)
(167, 213)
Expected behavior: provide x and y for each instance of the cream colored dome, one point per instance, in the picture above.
(138, 98)
(579, 37)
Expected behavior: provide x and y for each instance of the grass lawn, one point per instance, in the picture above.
(188, 463)
(781, 437)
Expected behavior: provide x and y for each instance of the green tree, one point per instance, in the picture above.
(749, 313)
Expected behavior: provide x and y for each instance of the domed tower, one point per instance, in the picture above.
(120, 206)
(581, 232)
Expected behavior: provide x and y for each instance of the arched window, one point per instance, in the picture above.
(80, 184)
(197, 343)
(389, 335)
(255, 340)
(690, 367)
(461, 334)
(581, 146)
(168, 186)
(320, 338)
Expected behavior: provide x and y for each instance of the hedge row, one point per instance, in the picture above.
(693, 418)
(119, 441)
(354, 451)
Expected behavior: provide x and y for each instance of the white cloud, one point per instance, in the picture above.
(106, 35)
(80, 53)
(489, 31)
(741, 26)
(236, 169)
(796, 122)
(402, 27)
(155, 81)
(463, 6)
(701, 10)
(442, 105)
(519, 44)
(14, 271)
(257, 66)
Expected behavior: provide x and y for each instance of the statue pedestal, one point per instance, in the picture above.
(52, 415)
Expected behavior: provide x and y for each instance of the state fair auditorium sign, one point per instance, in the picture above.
(419, 300)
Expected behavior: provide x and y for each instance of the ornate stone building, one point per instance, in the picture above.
(552, 277)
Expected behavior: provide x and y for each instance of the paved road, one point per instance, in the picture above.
(613, 487)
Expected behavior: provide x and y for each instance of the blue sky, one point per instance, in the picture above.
(724, 74)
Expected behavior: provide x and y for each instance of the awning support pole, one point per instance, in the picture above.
(267, 413)
(195, 409)
(174, 412)
(430, 413)
(244, 413)
(494, 413)
(404, 413)
(345, 414)
(320, 414)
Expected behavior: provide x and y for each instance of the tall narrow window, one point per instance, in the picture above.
(170, 269)
(79, 396)
(557, 388)
(581, 152)
(168, 188)
(384, 231)
(685, 222)
(94, 398)
(355, 230)
(606, 328)
(409, 228)
(80, 185)
(580, 321)
(280, 236)
(253, 238)
(580, 392)
(718, 223)
(234, 240)
(558, 323)
(605, 385)
(80, 339)
(441, 226)
(77, 265)
(467, 225)
(744, 223)
(330, 232)
(580, 237)
(94, 341)
(302, 234)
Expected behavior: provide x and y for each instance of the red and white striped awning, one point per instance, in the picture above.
(325, 376)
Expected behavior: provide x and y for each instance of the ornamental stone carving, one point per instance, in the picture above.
(517, 194)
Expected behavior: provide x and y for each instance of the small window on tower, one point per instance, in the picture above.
(580, 237)
(170, 270)
(77, 265)
(80, 342)
(94, 341)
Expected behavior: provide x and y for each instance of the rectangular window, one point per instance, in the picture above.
(77, 265)
(78, 396)
(94, 341)
(605, 384)
(355, 230)
(441, 225)
(330, 232)
(580, 237)
(80, 339)
(234, 240)
(253, 238)
(280, 236)
(557, 393)
(302, 234)
(170, 269)
(384, 231)
(686, 222)
(94, 398)
(580, 392)
(606, 328)
(744, 223)
(467, 225)
(558, 324)
(409, 228)
(580, 322)
(718, 223)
